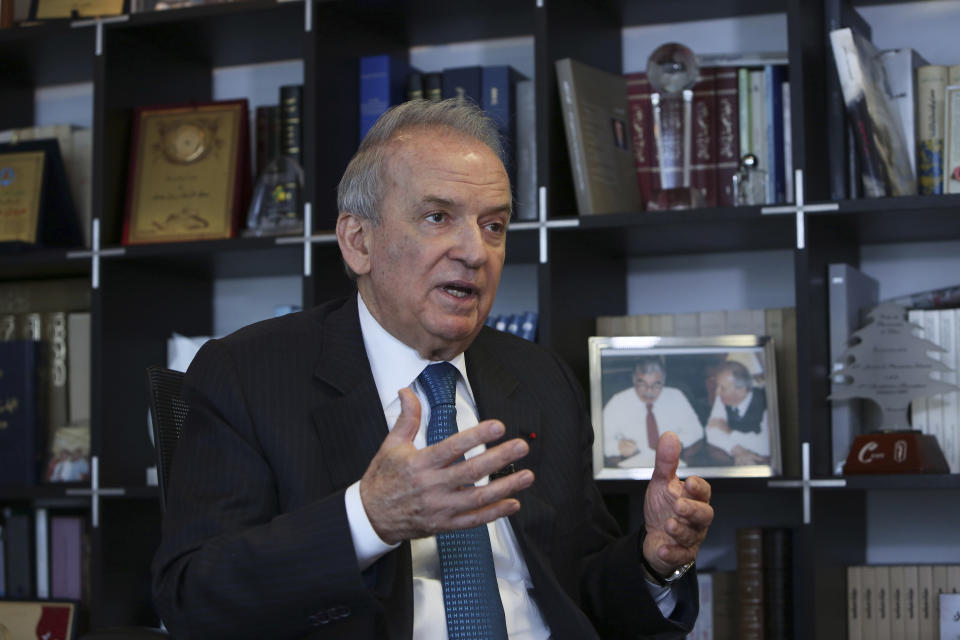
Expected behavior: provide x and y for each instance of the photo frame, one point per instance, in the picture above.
(51, 619)
(76, 9)
(718, 394)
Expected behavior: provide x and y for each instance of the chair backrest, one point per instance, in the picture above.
(167, 412)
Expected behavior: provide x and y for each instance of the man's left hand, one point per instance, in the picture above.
(677, 513)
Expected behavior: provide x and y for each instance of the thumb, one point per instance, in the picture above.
(668, 456)
(408, 422)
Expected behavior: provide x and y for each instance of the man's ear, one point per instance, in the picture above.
(353, 236)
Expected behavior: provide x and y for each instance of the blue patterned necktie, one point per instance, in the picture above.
(470, 594)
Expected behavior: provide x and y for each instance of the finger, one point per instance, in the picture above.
(693, 513)
(491, 512)
(684, 534)
(668, 456)
(453, 448)
(470, 498)
(481, 466)
(408, 422)
(696, 488)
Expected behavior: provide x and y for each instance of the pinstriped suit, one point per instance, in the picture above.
(285, 415)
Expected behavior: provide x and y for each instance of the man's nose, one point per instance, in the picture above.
(470, 247)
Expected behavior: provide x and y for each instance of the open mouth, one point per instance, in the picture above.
(459, 290)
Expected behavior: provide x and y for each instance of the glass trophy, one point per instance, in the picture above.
(749, 182)
(276, 206)
(672, 70)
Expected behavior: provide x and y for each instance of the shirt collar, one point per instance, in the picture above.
(394, 364)
(743, 406)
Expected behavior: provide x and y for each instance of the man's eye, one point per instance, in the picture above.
(436, 216)
(495, 227)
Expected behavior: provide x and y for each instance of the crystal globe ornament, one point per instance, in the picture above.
(671, 68)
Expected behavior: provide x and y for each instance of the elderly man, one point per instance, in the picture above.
(634, 418)
(738, 419)
(385, 466)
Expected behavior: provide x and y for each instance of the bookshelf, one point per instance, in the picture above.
(147, 292)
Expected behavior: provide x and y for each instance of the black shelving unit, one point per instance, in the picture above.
(144, 293)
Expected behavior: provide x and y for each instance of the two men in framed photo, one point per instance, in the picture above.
(717, 394)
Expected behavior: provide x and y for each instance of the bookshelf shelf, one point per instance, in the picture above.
(911, 482)
(48, 263)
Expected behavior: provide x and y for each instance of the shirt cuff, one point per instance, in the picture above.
(665, 597)
(367, 544)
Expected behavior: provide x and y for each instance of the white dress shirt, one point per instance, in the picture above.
(395, 366)
(625, 418)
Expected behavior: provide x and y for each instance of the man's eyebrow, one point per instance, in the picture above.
(447, 202)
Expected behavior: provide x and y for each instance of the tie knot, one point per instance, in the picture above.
(439, 383)
(649, 406)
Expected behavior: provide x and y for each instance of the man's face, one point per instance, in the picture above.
(648, 385)
(434, 261)
(730, 394)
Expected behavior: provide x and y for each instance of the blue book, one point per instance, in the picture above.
(513, 324)
(776, 176)
(20, 450)
(383, 84)
(463, 82)
(502, 323)
(528, 326)
(499, 101)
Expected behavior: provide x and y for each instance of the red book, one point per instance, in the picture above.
(728, 133)
(703, 163)
(641, 130)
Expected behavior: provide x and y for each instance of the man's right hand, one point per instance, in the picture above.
(409, 493)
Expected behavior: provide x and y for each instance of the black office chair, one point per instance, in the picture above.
(167, 412)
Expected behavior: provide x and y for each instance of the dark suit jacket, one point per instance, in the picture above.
(284, 416)
(750, 421)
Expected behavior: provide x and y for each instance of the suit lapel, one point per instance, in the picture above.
(349, 420)
(500, 395)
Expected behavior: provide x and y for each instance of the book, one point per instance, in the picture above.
(3, 567)
(881, 585)
(788, 194)
(66, 556)
(931, 87)
(525, 189)
(594, 106)
(851, 294)
(943, 298)
(854, 623)
(18, 554)
(951, 138)
(383, 84)
(900, 67)
(463, 83)
(267, 123)
(727, 133)
(291, 121)
(759, 138)
(749, 545)
(897, 599)
(885, 159)
(499, 101)
(78, 366)
(41, 548)
(777, 583)
(640, 113)
(746, 127)
(926, 596)
(433, 86)
(21, 432)
(950, 425)
(774, 77)
(949, 615)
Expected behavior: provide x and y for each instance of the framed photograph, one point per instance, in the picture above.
(189, 172)
(50, 619)
(718, 394)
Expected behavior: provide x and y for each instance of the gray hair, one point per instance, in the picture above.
(741, 375)
(361, 188)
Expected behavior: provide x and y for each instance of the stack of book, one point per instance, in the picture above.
(897, 601)
(503, 93)
(42, 554)
(523, 325)
(736, 110)
(45, 386)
